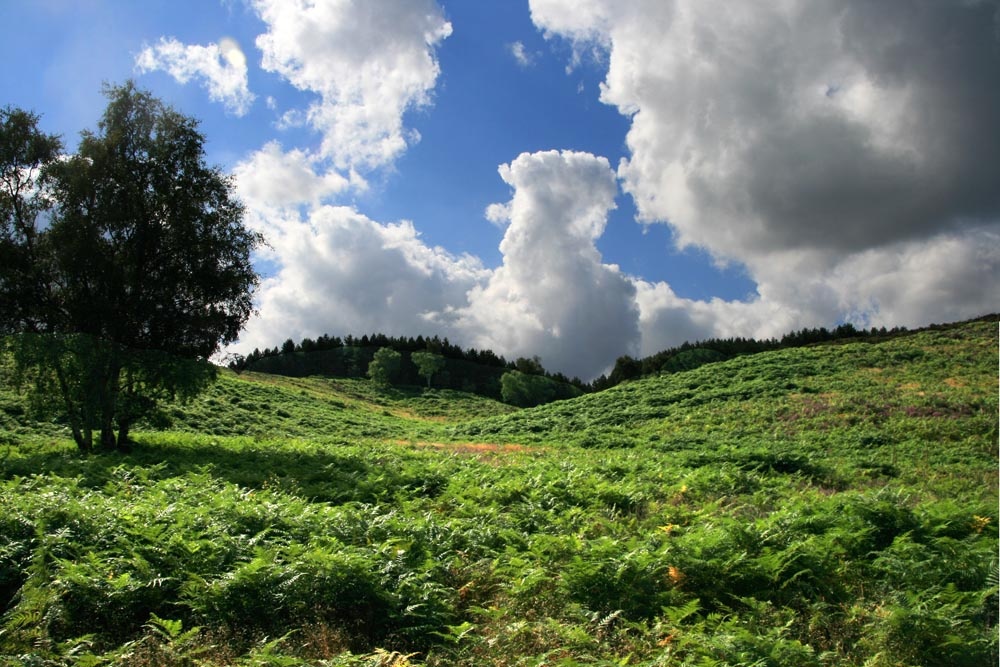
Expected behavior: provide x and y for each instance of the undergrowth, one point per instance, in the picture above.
(835, 505)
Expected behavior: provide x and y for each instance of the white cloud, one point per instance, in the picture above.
(342, 272)
(582, 21)
(553, 296)
(271, 178)
(337, 271)
(667, 320)
(368, 63)
(521, 55)
(498, 214)
(846, 154)
(221, 68)
(946, 278)
(846, 165)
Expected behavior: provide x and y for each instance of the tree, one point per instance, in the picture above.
(531, 366)
(138, 262)
(428, 364)
(25, 152)
(626, 368)
(384, 366)
(526, 390)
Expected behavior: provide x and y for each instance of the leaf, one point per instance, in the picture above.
(456, 633)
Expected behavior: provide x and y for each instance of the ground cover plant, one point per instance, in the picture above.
(830, 505)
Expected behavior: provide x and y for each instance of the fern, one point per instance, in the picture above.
(604, 626)
(749, 523)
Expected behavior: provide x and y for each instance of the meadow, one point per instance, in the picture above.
(826, 505)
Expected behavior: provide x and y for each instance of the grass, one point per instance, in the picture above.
(272, 406)
(834, 505)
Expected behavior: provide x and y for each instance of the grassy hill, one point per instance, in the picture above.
(831, 505)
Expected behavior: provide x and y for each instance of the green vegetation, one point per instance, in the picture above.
(124, 266)
(384, 366)
(428, 364)
(528, 390)
(829, 505)
(420, 359)
(483, 371)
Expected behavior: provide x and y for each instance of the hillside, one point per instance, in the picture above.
(920, 386)
(266, 405)
(828, 505)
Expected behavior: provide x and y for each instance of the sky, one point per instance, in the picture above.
(572, 179)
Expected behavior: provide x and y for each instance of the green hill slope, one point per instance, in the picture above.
(935, 374)
(268, 405)
(834, 505)
(912, 402)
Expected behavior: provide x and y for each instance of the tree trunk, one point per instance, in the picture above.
(108, 441)
(126, 405)
(82, 434)
(123, 429)
(110, 386)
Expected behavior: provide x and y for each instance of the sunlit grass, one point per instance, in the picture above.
(834, 505)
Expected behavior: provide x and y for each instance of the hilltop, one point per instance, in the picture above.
(832, 504)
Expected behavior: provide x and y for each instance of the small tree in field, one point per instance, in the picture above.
(124, 267)
(527, 390)
(428, 364)
(384, 366)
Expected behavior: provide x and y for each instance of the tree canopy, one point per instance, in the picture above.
(129, 263)
(528, 390)
(428, 364)
(384, 366)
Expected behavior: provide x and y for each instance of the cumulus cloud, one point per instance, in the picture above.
(949, 277)
(342, 272)
(335, 270)
(846, 153)
(553, 296)
(221, 68)
(667, 320)
(367, 62)
(272, 178)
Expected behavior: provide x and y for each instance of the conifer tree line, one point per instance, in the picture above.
(326, 342)
(690, 355)
(472, 370)
(482, 371)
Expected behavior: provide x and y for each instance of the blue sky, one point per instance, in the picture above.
(574, 179)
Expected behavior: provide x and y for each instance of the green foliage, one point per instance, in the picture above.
(686, 360)
(528, 390)
(25, 154)
(428, 364)
(384, 366)
(141, 257)
(806, 507)
(470, 371)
